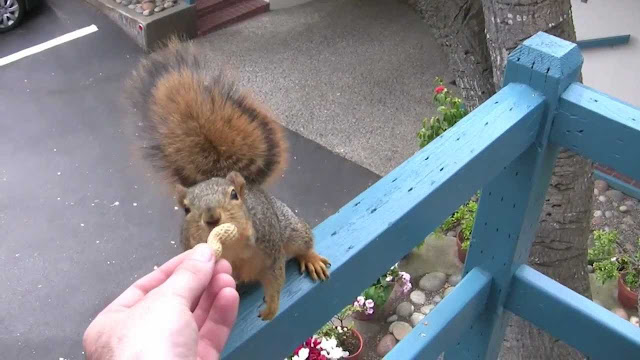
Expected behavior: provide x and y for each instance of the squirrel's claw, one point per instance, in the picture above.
(315, 265)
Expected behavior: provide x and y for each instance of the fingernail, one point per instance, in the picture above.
(202, 252)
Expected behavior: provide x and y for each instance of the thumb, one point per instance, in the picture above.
(191, 277)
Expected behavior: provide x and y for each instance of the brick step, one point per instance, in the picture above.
(231, 15)
(206, 7)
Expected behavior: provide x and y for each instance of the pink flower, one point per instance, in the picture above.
(406, 288)
(405, 277)
(369, 311)
(360, 300)
(369, 303)
(440, 89)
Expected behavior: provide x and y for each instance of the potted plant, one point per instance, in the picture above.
(374, 303)
(462, 222)
(333, 341)
(611, 260)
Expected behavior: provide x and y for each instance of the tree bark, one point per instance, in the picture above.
(560, 247)
(458, 27)
(510, 22)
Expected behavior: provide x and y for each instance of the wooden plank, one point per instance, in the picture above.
(579, 322)
(382, 224)
(599, 127)
(510, 205)
(443, 327)
(604, 41)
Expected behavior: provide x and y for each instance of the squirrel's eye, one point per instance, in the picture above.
(234, 195)
(187, 210)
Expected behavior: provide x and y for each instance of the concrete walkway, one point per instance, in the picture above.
(355, 76)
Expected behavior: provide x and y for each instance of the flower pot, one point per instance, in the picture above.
(356, 355)
(363, 316)
(462, 253)
(626, 296)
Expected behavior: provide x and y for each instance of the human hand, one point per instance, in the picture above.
(185, 309)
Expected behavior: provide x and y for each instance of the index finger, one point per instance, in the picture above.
(144, 285)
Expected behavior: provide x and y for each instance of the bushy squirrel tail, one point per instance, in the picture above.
(197, 124)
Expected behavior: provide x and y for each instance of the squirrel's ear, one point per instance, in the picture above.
(181, 195)
(238, 182)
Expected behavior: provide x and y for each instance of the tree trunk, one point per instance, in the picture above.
(510, 22)
(560, 248)
(458, 26)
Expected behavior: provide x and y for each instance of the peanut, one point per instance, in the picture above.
(220, 235)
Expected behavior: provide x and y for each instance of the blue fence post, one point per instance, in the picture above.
(510, 205)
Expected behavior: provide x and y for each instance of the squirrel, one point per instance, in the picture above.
(218, 147)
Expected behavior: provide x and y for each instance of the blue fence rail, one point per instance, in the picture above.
(506, 147)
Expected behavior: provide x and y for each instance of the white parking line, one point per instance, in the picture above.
(49, 44)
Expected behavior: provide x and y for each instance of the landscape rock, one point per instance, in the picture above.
(621, 312)
(623, 209)
(598, 221)
(615, 195)
(628, 220)
(146, 12)
(132, 6)
(385, 345)
(454, 279)
(608, 214)
(597, 213)
(158, 9)
(596, 192)
(400, 329)
(427, 309)
(149, 5)
(438, 253)
(602, 198)
(589, 269)
(433, 281)
(417, 297)
(601, 185)
(392, 318)
(635, 321)
(448, 291)
(405, 310)
(416, 318)
(436, 299)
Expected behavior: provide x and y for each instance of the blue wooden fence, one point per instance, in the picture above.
(506, 147)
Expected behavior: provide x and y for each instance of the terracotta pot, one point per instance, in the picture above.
(462, 253)
(356, 356)
(363, 316)
(627, 298)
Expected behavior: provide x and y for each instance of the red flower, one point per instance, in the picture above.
(440, 89)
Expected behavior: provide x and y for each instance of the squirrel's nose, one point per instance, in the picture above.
(212, 217)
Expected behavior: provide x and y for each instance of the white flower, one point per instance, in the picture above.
(303, 354)
(369, 303)
(360, 300)
(331, 350)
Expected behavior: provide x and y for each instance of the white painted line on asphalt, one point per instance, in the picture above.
(49, 44)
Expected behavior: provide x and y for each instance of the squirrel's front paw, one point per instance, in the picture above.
(268, 313)
(315, 265)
